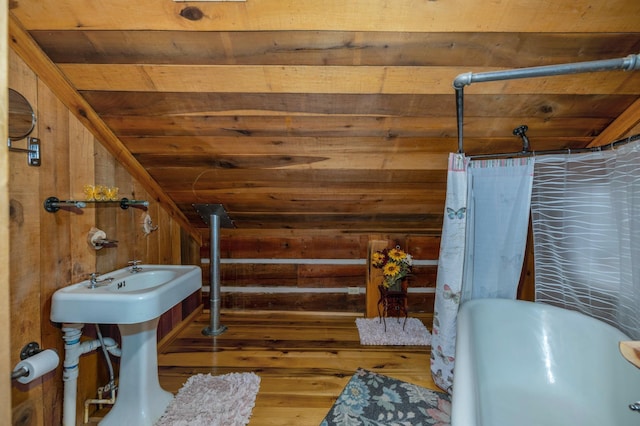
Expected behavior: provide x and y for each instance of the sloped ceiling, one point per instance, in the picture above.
(326, 114)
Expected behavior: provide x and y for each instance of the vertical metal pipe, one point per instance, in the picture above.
(460, 116)
(215, 328)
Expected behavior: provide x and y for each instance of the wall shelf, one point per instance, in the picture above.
(53, 204)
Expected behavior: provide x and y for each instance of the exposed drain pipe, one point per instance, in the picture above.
(629, 63)
(73, 349)
(107, 347)
(72, 334)
(215, 216)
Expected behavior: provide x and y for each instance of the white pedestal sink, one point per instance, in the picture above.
(134, 301)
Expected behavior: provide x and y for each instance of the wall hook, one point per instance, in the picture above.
(147, 224)
(522, 132)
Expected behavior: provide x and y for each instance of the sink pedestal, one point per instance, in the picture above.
(140, 400)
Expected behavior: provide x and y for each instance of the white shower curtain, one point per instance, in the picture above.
(586, 222)
(499, 198)
(483, 241)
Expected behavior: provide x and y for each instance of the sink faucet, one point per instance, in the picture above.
(134, 266)
(95, 282)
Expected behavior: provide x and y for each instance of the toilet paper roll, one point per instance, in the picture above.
(38, 365)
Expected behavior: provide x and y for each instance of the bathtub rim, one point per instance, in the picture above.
(465, 410)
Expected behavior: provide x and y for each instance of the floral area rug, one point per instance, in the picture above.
(206, 400)
(372, 332)
(371, 399)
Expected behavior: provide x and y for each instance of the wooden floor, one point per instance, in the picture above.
(303, 359)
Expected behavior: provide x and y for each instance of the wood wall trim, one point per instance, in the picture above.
(5, 328)
(626, 121)
(24, 45)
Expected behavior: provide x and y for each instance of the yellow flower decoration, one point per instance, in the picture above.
(90, 192)
(395, 264)
(377, 258)
(111, 193)
(391, 269)
(397, 254)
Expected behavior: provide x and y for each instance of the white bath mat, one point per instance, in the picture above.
(206, 400)
(372, 332)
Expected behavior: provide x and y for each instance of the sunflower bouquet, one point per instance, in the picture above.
(395, 264)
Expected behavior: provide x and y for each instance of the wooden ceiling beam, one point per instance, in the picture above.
(143, 104)
(342, 126)
(291, 145)
(331, 161)
(328, 79)
(23, 45)
(619, 128)
(358, 48)
(355, 15)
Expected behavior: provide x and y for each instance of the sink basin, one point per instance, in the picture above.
(129, 298)
(145, 280)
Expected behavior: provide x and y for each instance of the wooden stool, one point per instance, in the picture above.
(392, 302)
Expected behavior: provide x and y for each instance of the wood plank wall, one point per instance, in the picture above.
(50, 250)
(297, 269)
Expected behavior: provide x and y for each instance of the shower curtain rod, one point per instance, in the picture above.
(524, 153)
(631, 62)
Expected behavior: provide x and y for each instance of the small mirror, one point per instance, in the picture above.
(22, 119)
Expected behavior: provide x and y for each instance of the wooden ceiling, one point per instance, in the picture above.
(332, 114)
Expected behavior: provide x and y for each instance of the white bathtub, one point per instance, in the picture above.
(524, 364)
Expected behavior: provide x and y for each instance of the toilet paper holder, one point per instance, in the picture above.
(97, 239)
(29, 350)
